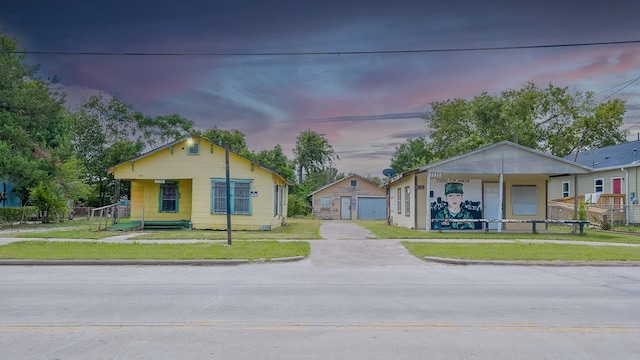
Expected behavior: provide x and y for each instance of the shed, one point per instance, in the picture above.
(353, 197)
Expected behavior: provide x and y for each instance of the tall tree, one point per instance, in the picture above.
(109, 131)
(312, 153)
(34, 127)
(553, 119)
(276, 160)
(234, 138)
(411, 154)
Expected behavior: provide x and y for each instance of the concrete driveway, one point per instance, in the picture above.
(347, 244)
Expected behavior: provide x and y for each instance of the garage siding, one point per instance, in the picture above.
(372, 208)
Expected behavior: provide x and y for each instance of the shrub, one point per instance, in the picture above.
(10, 215)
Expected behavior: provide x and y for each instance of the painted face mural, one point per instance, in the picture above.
(456, 199)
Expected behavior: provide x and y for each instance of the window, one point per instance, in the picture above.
(325, 203)
(598, 185)
(169, 197)
(524, 199)
(354, 183)
(277, 199)
(240, 196)
(399, 201)
(193, 148)
(566, 189)
(407, 201)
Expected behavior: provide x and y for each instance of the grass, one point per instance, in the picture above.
(37, 225)
(251, 250)
(384, 231)
(295, 229)
(82, 233)
(523, 251)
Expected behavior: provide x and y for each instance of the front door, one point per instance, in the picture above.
(491, 208)
(345, 208)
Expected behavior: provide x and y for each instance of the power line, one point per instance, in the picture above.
(315, 53)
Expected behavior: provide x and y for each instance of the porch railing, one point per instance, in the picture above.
(107, 212)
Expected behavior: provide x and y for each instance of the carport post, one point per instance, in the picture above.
(501, 199)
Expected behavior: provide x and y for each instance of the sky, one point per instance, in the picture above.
(360, 72)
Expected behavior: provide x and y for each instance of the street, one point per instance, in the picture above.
(334, 305)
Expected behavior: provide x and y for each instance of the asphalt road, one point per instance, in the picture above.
(352, 299)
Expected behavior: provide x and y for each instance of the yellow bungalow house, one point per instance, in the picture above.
(186, 181)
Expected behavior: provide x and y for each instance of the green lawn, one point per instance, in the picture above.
(523, 251)
(295, 229)
(384, 231)
(251, 250)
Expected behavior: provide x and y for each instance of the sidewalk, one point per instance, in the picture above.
(343, 243)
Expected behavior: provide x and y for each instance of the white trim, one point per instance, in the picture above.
(595, 189)
(562, 192)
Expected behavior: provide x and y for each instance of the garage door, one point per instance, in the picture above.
(372, 208)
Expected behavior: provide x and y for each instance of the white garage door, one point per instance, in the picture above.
(372, 208)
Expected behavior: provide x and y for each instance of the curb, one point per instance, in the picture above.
(222, 262)
(530, 263)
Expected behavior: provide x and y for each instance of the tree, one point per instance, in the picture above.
(299, 201)
(234, 138)
(312, 153)
(108, 131)
(553, 119)
(411, 154)
(34, 127)
(275, 160)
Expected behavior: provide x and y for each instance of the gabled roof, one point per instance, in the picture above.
(341, 180)
(625, 154)
(506, 158)
(184, 138)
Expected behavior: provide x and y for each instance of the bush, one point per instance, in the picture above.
(298, 206)
(11, 215)
(51, 204)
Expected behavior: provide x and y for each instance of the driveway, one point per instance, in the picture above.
(347, 244)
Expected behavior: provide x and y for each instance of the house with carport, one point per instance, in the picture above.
(186, 182)
(498, 187)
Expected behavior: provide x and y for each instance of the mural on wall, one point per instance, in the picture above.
(456, 199)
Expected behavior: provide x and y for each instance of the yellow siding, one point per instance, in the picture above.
(194, 174)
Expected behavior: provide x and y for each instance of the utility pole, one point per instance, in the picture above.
(228, 188)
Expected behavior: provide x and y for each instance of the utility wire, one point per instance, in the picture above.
(376, 52)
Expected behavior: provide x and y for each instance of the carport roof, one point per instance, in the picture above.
(506, 158)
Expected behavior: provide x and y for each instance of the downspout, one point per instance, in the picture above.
(626, 196)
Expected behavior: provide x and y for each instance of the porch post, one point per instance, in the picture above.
(428, 202)
(575, 202)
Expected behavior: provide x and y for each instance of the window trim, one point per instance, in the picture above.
(193, 146)
(399, 200)
(595, 186)
(328, 203)
(566, 193)
(354, 183)
(232, 186)
(407, 201)
(161, 197)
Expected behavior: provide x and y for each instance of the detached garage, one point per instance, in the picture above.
(351, 198)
